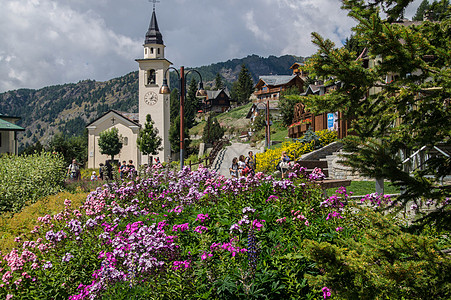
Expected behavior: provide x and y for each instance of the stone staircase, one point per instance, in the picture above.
(330, 153)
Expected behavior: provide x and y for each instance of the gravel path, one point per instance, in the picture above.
(224, 158)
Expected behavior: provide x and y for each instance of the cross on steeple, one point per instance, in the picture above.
(154, 1)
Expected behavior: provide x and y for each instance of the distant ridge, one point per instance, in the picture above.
(67, 108)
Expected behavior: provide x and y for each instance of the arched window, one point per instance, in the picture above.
(125, 141)
(151, 76)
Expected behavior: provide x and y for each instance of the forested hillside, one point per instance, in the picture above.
(69, 107)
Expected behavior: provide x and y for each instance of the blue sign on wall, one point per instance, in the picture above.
(330, 121)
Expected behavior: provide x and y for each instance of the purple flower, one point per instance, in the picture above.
(47, 265)
(67, 257)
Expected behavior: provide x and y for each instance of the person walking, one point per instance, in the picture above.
(250, 163)
(234, 168)
(241, 165)
(101, 171)
(73, 170)
(284, 163)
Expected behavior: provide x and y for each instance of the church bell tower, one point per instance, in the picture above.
(152, 69)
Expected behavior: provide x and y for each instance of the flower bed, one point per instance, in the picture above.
(189, 234)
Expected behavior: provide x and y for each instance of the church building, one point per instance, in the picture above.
(152, 69)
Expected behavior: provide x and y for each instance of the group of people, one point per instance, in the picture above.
(126, 169)
(243, 166)
(73, 171)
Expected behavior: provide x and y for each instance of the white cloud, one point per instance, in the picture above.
(48, 43)
(45, 42)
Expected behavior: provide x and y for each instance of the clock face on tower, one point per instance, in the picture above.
(150, 98)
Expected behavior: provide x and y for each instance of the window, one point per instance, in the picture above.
(151, 50)
(151, 77)
(158, 50)
(125, 141)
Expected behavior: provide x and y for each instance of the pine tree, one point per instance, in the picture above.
(243, 88)
(421, 10)
(174, 135)
(393, 119)
(219, 84)
(149, 142)
(191, 104)
(175, 104)
(212, 131)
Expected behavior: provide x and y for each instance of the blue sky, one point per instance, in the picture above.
(48, 42)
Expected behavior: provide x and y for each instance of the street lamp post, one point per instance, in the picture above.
(261, 106)
(268, 126)
(201, 93)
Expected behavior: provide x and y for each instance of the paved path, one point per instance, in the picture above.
(224, 158)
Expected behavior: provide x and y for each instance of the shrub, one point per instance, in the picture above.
(24, 179)
(267, 161)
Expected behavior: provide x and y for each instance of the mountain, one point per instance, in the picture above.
(67, 108)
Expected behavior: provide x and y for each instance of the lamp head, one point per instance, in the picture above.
(201, 93)
(165, 88)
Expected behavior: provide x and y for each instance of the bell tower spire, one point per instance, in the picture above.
(153, 35)
(152, 69)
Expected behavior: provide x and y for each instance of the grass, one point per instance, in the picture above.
(13, 225)
(366, 187)
(236, 113)
(279, 132)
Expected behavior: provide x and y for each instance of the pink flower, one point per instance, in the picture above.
(326, 292)
(339, 229)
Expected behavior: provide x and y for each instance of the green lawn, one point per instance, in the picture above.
(366, 187)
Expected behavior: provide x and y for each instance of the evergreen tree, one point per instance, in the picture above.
(149, 142)
(287, 103)
(243, 88)
(110, 142)
(219, 84)
(174, 135)
(191, 104)
(212, 131)
(175, 104)
(419, 15)
(399, 116)
(440, 10)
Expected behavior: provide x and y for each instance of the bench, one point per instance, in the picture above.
(325, 184)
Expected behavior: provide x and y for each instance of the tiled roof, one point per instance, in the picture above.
(277, 79)
(212, 94)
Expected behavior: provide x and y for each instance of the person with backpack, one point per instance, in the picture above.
(74, 170)
(250, 163)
